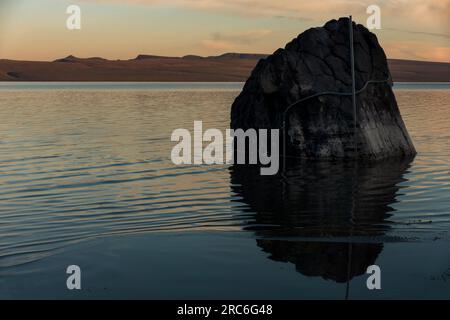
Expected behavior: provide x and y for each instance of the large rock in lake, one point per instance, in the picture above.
(318, 60)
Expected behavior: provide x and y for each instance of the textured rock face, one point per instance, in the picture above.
(318, 60)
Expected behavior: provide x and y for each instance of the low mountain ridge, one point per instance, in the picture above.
(227, 67)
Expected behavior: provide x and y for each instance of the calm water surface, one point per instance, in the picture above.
(86, 179)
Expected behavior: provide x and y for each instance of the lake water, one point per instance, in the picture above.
(86, 179)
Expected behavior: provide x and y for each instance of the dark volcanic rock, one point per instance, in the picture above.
(318, 60)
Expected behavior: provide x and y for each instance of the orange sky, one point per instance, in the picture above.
(121, 29)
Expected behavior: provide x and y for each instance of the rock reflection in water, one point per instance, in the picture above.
(327, 218)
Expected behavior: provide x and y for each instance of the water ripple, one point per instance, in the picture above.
(94, 163)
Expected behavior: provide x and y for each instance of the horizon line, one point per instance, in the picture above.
(153, 56)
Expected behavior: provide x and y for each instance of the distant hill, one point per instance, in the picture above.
(226, 67)
(225, 56)
(240, 56)
(75, 59)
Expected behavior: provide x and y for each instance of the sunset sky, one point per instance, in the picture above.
(121, 29)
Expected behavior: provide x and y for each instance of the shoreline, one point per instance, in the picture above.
(172, 70)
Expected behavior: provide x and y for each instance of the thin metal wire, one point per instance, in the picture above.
(353, 94)
(350, 249)
(352, 57)
(318, 95)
